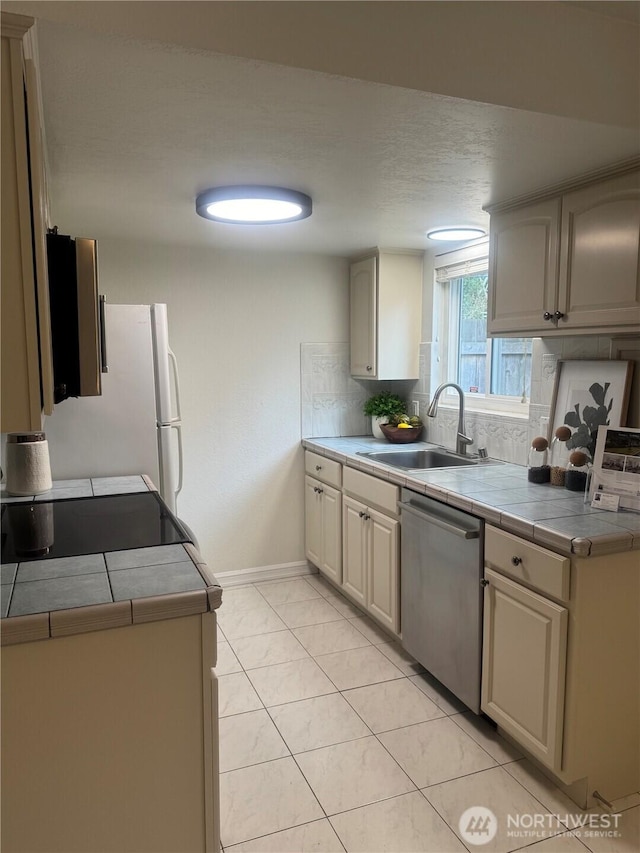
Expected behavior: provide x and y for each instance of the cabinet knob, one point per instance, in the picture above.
(484, 582)
(547, 315)
(361, 514)
(318, 467)
(320, 491)
(366, 517)
(516, 561)
(369, 368)
(558, 315)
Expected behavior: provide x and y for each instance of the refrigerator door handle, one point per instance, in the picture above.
(178, 427)
(176, 388)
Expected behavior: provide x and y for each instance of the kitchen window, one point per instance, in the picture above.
(494, 373)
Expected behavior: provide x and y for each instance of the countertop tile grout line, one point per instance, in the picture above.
(106, 568)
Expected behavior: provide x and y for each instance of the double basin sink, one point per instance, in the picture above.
(422, 460)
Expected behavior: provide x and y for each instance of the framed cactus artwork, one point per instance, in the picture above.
(589, 394)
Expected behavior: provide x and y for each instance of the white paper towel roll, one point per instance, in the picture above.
(28, 467)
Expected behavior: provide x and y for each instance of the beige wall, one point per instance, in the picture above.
(236, 322)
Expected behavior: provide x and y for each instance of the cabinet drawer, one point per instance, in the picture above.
(323, 469)
(371, 490)
(535, 566)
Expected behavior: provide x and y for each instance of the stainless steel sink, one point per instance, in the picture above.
(419, 459)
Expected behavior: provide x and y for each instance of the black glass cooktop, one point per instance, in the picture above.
(69, 528)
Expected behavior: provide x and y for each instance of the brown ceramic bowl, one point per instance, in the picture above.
(397, 435)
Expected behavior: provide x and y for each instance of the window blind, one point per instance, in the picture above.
(469, 261)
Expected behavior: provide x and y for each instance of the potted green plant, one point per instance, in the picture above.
(381, 408)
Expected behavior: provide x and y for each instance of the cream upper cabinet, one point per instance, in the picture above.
(386, 315)
(599, 254)
(568, 263)
(26, 363)
(362, 305)
(523, 267)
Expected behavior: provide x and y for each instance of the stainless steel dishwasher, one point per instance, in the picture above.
(441, 594)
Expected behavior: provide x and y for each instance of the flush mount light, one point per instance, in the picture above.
(463, 233)
(252, 205)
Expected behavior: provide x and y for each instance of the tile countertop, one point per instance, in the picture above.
(501, 494)
(73, 595)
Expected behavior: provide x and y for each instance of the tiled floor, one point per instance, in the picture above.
(333, 739)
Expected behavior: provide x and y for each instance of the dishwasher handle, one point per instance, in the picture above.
(462, 532)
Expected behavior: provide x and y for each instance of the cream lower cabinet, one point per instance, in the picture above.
(323, 515)
(110, 740)
(355, 536)
(524, 645)
(323, 539)
(371, 562)
(561, 661)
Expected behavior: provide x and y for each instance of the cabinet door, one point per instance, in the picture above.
(331, 559)
(599, 272)
(20, 363)
(363, 319)
(523, 268)
(27, 364)
(383, 576)
(212, 785)
(354, 550)
(40, 215)
(313, 521)
(523, 666)
(399, 320)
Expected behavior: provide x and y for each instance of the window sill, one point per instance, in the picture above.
(521, 413)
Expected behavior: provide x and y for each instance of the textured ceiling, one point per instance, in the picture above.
(136, 129)
(624, 10)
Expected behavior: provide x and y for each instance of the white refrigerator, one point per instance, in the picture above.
(134, 427)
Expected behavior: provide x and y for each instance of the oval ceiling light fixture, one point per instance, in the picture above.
(253, 205)
(460, 233)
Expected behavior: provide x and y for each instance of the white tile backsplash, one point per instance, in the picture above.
(332, 401)
(505, 437)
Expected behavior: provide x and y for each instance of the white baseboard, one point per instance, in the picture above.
(259, 574)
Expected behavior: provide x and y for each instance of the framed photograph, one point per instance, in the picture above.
(587, 395)
(616, 468)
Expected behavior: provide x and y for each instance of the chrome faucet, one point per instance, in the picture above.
(462, 439)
